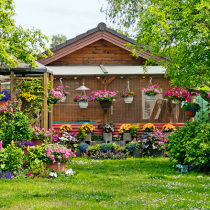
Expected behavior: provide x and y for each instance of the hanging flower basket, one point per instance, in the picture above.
(189, 114)
(63, 98)
(83, 104)
(105, 105)
(175, 101)
(150, 98)
(128, 100)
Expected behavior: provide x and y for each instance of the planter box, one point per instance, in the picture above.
(54, 166)
(147, 134)
(158, 153)
(107, 136)
(121, 143)
(87, 138)
(127, 137)
(78, 153)
(38, 142)
(96, 142)
(137, 153)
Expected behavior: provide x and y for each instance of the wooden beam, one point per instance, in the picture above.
(44, 112)
(12, 79)
(51, 107)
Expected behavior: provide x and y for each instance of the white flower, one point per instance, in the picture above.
(69, 172)
(53, 174)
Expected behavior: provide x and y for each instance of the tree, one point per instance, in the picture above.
(57, 39)
(17, 44)
(177, 30)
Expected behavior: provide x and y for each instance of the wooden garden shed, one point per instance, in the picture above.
(101, 60)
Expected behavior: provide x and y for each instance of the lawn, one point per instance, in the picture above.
(148, 183)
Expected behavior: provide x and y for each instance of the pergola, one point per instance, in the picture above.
(23, 71)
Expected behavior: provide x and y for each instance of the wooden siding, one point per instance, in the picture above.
(139, 111)
(100, 52)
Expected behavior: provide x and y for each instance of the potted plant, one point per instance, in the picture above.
(191, 109)
(151, 92)
(177, 94)
(105, 97)
(65, 128)
(129, 131)
(54, 96)
(148, 128)
(56, 154)
(108, 128)
(4, 96)
(168, 129)
(39, 136)
(85, 132)
(65, 92)
(128, 96)
(24, 145)
(83, 101)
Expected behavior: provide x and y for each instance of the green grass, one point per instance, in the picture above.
(149, 183)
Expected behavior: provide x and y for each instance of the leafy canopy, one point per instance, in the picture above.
(17, 44)
(177, 30)
(57, 39)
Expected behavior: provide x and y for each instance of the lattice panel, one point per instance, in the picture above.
(139, 111)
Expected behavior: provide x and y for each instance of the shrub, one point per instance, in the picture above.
(190, 145)
(109, 147)
(11, 158)
(97, 138)
(132, 145)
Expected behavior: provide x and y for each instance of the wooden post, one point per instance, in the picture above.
(12, 84)
(44, 119)
(51, 107)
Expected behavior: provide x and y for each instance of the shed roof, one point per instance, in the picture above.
(25, 68)
(88, 70)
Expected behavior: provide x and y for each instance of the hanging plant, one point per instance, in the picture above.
(151, 92)
(128, 96)
(83, 101)
(65, 90)
(177, 94)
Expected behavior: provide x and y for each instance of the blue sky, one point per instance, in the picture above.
(68, 17)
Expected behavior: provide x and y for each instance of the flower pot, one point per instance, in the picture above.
(150, 98)
(63, 98)
(128, 100)
(105, 105)
(87, 138)
(83, 104)
(189, 114)
(38, 142)
(3, 103)
(175, 101)
(107, 137)
(127, 137)
(54, 166)
(25, 149)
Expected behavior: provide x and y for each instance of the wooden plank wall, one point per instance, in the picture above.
(100, 52)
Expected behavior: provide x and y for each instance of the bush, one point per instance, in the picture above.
(15, 127)
(11, 158)
(109, 147)
(190, 145)
(83, 147)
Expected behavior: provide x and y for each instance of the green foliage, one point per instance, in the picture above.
(81, 134)
(11, 158)
(14, 127)
(57, 39)
(17, 44)
(93, 148)
(106, 155)
(190, 145)
(172, 29)
(97, 138)
(134, 129)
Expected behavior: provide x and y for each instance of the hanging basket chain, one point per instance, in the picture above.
(128, 87)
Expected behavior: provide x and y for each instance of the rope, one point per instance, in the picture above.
(150, 82)
(128, 88)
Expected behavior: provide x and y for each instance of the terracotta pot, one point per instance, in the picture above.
(54, 166)
(105, 105)
(3, 103)
(38, 142)
(25, 150)
(189, 114)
